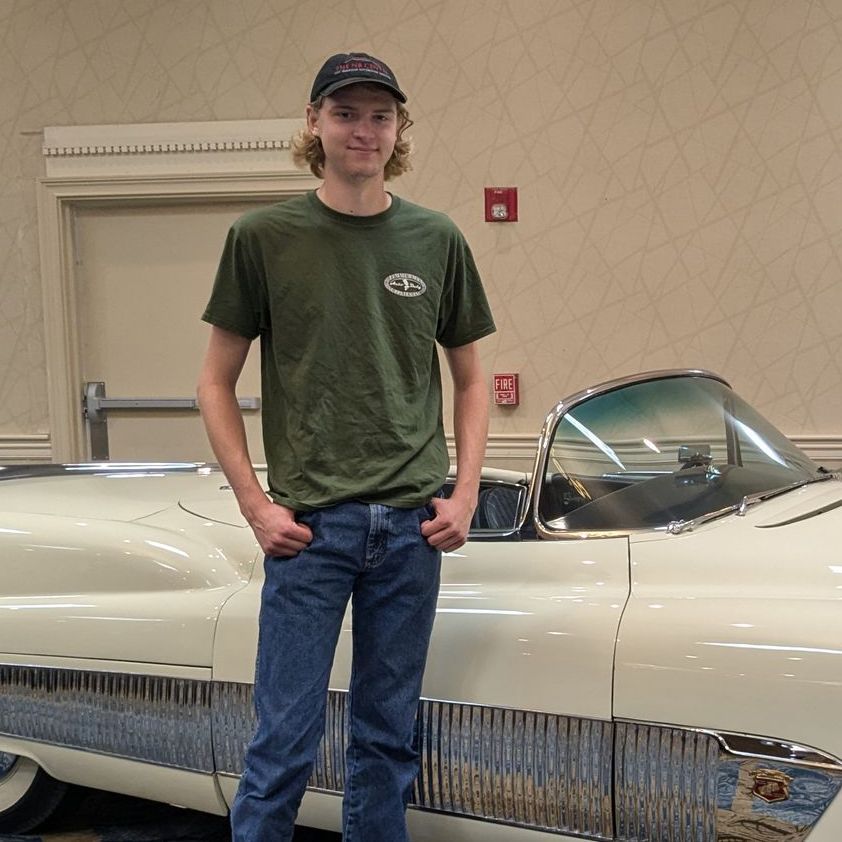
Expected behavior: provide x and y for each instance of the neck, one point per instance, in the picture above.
(357, 199)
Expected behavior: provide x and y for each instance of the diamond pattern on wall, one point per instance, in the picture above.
(679, 165)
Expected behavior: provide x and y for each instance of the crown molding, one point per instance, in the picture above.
(226, 146)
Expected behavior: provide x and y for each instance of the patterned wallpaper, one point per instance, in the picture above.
(679, 166)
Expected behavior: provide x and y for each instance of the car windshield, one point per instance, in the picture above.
(651, 453)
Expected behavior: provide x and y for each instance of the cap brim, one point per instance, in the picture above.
(344, 83)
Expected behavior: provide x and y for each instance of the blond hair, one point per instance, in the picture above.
(307, 149)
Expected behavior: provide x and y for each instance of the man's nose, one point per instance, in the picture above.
(362, 128)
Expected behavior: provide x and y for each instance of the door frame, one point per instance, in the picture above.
(99, 166)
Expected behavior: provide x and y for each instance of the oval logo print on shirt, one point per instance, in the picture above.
(405, 285)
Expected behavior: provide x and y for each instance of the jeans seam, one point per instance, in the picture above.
(352, 765)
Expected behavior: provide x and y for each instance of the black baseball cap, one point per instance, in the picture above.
(348, 69)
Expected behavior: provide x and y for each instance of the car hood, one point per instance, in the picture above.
(805, 503)
(117, 494)
(219, 506)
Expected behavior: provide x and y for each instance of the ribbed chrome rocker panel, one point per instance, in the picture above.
(160, 720)
(525, 769)
(665, 784)
(516, 767)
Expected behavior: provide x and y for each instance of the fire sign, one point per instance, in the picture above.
(506, 389)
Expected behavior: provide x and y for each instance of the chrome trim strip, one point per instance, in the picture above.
(520, 768)
(30, 471)
(233, 721)
(679, 527)
(625, 780)
(761, 496)
(159, 720)
(750, 745)
(693, 785)
(548, 429)
(26, 470)
(761, 748)
(665, 784)
(806, 516)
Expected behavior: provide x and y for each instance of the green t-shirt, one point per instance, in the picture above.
(348, 310)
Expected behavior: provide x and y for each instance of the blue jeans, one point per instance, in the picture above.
(376, 556)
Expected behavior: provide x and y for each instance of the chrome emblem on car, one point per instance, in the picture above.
(405, 285)
(771, 785)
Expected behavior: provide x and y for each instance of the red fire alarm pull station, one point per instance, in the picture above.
(501, 204)
(506, 390)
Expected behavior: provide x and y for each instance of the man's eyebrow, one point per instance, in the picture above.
(346, 106)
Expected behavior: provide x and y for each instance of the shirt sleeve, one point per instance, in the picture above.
(464, 314)
(237, 301)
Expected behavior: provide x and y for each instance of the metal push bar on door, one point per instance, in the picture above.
(96, 406)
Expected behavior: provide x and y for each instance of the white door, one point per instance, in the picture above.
(144, 275)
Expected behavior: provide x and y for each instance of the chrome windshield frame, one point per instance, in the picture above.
(545, 442)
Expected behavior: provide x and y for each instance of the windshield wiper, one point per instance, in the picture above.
(676, 527)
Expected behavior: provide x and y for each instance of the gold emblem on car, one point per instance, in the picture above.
(771, 785)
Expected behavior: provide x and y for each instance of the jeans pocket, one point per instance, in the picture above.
(307, 518)
(428, 509)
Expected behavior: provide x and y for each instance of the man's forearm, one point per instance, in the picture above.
(470, 427)
(470, 419)
(226, 433)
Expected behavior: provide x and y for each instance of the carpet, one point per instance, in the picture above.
(104, 817)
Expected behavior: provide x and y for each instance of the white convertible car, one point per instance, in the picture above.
(642, 640)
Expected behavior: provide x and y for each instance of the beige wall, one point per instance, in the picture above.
(679, 165)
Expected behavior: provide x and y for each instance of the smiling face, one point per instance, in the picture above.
(357, 126)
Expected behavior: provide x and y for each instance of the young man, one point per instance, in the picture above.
(349, 289)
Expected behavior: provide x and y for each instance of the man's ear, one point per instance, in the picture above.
(312, 118)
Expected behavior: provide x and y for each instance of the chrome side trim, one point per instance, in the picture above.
(629, 781)
(665, 784)
(763, 748)
(806, 516)
(54, 469)
(534, 770)
(233, 722)
(519, 768)
(545, 440)
(677, 527)
(165, 721)
(687, 785)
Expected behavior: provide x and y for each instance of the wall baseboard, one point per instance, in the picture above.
(25, 448)
(517, 452)
(826, 450)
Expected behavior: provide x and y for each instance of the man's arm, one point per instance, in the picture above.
(448, 530)
(274, 526)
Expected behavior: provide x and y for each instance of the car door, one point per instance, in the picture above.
(515, 720)
(516, 716)
(514, 724)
